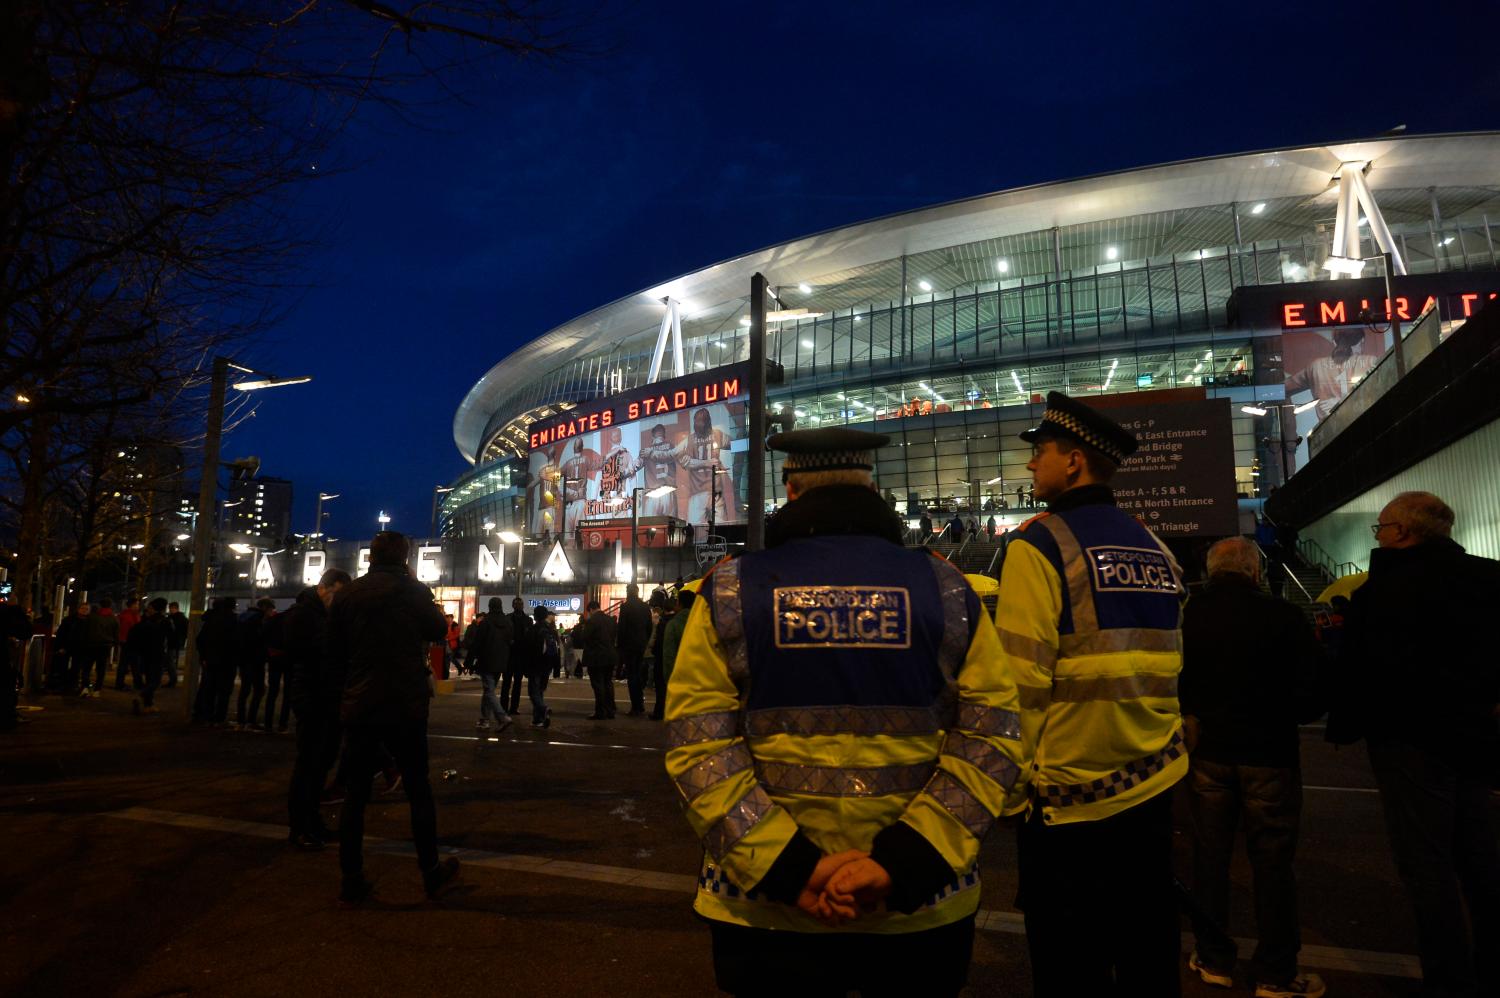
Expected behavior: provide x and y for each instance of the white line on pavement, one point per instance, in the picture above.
(1343, 790)
(1318, 957)
(533, 741)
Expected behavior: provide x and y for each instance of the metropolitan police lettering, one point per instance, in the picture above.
(1132, 570)
(843, 617)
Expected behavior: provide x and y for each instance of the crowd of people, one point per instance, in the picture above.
(847, 723)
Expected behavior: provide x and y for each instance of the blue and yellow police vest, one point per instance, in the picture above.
(835, 686)
(1089, 620)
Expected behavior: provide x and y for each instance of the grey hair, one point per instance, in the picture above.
(1236, 555)
(1423, 514)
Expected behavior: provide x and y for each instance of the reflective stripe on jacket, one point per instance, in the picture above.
(836, 686)
(1089, 623)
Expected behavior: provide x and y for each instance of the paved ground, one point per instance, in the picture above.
(146, 858)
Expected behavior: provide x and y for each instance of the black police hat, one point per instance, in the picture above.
(1069, 419)
(835, 448)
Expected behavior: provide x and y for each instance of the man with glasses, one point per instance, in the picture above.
(1422, 688)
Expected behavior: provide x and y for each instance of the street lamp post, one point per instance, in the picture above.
(511, 537)
(207, 488)
(437, 490)
(635, 522)
(384, 519)
(318, 527)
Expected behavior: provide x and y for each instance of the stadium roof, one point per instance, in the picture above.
(1396, 163)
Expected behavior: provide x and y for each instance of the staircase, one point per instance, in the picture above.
(972, 557)
(1303, 584)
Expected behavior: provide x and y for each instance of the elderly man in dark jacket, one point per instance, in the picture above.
(379, 630)
(1249, 677)
(595, 636)
(218, 653)
(489, 644)
(314, 692)
(1419, 680)
(519, 665)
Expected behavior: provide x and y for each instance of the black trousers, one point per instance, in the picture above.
(1439, 824)
(152, 669)
(279, 676)
(95, 664)
(634, 664)
(1101, 913)
(602, 679)
(1268, 802)
(659, 677)
(510, 683)
(252, 681)
(130, 663)
(318, 735)
(407, 743)
(759, 962)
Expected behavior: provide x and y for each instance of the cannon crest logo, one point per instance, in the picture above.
(842, 617)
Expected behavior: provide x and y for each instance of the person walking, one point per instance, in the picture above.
(98, 638)
(667, 610)
(379, 628)
(671, 638)
(490, 643)
(843, 737)
(1418, 680)
(179, 623)
(149, 646)
(450, 646)
(466, 662)
(1249, 677)
(518, 665)
(539, 637)
(218, 656)
(250, 654)
(121, 627)
(15, 632)
(314, 690)
(595, 637)
(278, 678)
(634, 636)
(1088, 614)
(924, 527)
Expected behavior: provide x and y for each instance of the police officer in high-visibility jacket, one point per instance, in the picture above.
(1089, 624)
(838, 708)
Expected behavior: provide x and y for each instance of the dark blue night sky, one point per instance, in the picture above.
(559, 187)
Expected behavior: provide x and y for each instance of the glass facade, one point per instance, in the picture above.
(951, 351)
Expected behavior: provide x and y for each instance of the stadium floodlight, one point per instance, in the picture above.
(1344, 265)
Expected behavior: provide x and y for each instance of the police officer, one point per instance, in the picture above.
(1089, 623)
(843, 736)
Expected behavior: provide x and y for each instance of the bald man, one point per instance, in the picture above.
(1419, 681)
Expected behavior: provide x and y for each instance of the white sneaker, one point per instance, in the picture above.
(1301, 986)
(1218, 978)
(482, 726)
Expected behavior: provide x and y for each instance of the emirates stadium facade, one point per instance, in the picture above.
(1231, 280)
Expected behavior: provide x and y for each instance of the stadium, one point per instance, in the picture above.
(1232, 300)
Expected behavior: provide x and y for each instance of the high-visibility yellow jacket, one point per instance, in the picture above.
(838, 693)
(1089, 620)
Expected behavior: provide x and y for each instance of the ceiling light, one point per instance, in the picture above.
(1198, 367)
(1447, 241)
(924, 285)
(1258, 208)
(1017, 379)
(995, 481)
(745, 321)
(510, 537)
(1364, 221)
(21, 398)
(1300, 409)
(1112, 253)
(807, 344)
(700, 365)
(241, 548)
(1208, 355)
(1003, 266)
(804, 289)
(1343, 265)
(1253, 410)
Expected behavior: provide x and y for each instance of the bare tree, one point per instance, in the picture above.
(147, 149)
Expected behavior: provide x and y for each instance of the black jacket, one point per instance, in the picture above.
(1418, 664)
(379, 629)
(216, 644)
(250, 637)
(596, 637)
(149, 639)
(521, 654)
(315, 685)
(1250, 668)
(179, 624)
(634, 627)
(489, 644)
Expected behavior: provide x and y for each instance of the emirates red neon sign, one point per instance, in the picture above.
(1347, 312)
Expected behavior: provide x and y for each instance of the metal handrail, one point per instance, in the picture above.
(1265, 569)
(990, 571)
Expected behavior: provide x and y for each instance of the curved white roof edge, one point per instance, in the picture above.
(1397, 162)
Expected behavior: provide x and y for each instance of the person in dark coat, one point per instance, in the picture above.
(15, 632)
(518, 666)
(1249, 677)
(179, 623)
(380, 628)
(534, 645)
(595, 636)
(314, 691)
(490, 644)
(217, 654)
(924, 527)
(250, 641)
(278, 679)
(147, 645)
(659, 673)
(634, 634)
(1418, 679)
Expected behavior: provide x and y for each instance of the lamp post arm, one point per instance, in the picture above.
(202, 527)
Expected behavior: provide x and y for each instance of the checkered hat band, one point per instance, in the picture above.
(835, 460)
(1071, 423)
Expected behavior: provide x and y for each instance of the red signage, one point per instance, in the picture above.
(1311, 312)
(665, 397)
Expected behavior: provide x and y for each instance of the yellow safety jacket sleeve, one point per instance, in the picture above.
(981, 767)
(741, 827)
(1026, 625)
